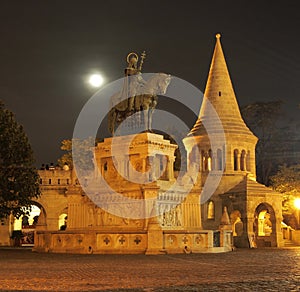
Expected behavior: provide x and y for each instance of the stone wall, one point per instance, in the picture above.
(89, 241)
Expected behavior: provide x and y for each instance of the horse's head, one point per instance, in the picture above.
(163, 83)
(158, 84)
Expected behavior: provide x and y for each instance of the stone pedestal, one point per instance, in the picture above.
(155, 237)
(140, 158)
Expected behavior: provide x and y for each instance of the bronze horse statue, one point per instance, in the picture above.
(140, 98)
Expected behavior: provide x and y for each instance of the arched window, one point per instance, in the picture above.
(194, 158)
(105, 166)
(237, 224)
(161, 163)
(243, 160)
(264, 223)
(211, 210)
(235, 159)
(219, 159)
(203, 161)
(27, 220)
(62, 221)
(209, 161)
(248, 161)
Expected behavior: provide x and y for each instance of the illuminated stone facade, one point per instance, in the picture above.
(173, 227)
(251, 206)
(70, 221)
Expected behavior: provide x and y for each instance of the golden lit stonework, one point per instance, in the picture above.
(240, 212)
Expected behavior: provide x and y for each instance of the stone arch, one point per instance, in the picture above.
(264, 225)
(237, 224)
(42, 218)
(63, 219)
(23, 228)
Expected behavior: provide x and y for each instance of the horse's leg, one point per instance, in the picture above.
(150, 119)
(146, 118)
(131, 103)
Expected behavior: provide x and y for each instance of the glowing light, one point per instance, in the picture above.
(35, 211)
(96, 80)
(297, 203)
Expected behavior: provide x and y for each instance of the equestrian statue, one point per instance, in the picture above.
(138, 97)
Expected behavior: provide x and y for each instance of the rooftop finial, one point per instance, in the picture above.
(218, 35)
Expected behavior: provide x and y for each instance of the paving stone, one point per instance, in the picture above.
(242, 270)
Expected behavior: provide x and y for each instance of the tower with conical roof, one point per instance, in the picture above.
(222, 148)
(225, 142)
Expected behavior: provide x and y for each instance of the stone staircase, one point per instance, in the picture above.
(289, 243)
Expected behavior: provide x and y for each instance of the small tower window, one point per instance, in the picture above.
(243, 160)
(105, 166)
(211, 210)
(248, 161)
(220, 93)
(209, 160)
(58, 181)
(235, 159)
(49, 181)
(203, 161)
(219, 159)
(206, 160)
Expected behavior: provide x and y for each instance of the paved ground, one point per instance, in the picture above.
(241, 270)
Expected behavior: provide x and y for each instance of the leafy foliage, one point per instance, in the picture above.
(66, 145)
(263, 120)
(287, 181)
(19, 180)
(83, 154)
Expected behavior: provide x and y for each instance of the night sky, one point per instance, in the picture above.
(49, 48)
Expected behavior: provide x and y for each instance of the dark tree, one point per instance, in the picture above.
(287, 182)
(83, 155)
(265, 120)
(19, 180)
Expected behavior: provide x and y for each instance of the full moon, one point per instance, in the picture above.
(96, 80)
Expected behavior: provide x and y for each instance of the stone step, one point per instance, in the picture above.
(289, 243)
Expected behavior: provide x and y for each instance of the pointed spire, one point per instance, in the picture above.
(220, 94)
(225, 217)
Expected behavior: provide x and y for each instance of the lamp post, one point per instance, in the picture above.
(297, 206)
